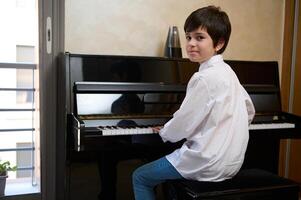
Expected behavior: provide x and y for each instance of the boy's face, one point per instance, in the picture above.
(199, 45)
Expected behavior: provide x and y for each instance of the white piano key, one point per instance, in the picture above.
(271, 126)
(107, 131)
(114, 131)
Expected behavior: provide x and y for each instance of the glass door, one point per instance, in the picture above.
(19, 108)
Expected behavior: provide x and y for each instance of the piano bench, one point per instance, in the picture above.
(248, 184)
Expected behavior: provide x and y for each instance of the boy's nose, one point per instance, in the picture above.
(191, 42)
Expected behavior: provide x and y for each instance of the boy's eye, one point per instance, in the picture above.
(199, 38)
(188, 37)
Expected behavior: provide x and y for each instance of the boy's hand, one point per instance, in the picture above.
(157, 129)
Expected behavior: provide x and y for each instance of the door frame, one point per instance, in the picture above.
(290, 84)
(48, 64)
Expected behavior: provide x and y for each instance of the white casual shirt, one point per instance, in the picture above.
(214, 119)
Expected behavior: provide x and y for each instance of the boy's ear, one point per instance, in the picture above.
(220, 45)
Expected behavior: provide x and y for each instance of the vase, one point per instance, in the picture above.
(2, 185)
(173, 45)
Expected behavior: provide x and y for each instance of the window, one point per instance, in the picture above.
(19, 109)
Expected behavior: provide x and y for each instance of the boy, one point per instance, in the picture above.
(213, 117)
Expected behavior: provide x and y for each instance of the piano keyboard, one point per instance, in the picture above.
(271, 126)
(115, 130)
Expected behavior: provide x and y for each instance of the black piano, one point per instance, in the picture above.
(109, 104)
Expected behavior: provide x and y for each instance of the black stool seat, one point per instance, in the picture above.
(248, 184)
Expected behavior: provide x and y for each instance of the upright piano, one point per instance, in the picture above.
(110, 103)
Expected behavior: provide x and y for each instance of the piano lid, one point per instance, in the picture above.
(108, 68)
(113, 68)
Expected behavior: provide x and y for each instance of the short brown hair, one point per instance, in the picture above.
(214, 20)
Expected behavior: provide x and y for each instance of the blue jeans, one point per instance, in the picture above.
(146, 177)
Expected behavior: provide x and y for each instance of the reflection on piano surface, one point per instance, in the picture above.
(125, 109)
(113, 101)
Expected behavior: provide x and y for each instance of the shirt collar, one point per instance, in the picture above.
(208, 63)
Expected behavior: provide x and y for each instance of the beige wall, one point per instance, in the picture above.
(139, 27)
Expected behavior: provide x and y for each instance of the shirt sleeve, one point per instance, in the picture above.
(250, 107)
(193, 110)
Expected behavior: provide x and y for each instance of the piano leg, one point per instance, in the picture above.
(107, 166)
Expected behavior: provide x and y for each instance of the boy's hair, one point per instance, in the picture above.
(215, 21)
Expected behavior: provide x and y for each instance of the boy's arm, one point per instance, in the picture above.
(192, 112)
